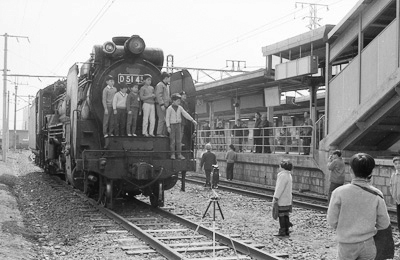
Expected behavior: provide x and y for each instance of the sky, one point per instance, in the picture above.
(199, 34)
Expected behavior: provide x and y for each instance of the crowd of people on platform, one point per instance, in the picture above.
(122, 109)
(266, 138)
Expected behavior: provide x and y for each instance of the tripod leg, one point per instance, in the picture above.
(205, 212)
(220, 211)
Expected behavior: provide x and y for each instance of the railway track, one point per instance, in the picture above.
(302, 200)
(140, 230)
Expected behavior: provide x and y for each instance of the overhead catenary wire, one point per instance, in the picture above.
(91, 25)
(249, 34)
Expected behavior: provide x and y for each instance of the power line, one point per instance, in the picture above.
(91, 25)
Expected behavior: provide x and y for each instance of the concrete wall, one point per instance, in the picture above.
(263, 169)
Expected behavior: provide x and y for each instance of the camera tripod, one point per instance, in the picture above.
(214, 201)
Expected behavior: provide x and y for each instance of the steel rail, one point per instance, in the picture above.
(232, 243)
(298, 203)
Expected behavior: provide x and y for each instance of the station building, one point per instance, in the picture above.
(346, 76)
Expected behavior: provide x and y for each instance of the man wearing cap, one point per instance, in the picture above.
(107, 100)
(162, 103)
(173, 120)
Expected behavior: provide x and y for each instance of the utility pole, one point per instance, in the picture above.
(5, 140)
(313, 18)
(15, 118)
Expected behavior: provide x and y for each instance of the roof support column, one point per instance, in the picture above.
(360, 48)
(269, 66)
(398, 31)
(328, 77)
(211, 115)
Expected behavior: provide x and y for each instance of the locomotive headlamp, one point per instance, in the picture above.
(102, 163)
(109, 47)
(135, 45)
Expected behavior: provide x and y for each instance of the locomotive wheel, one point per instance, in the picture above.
(105, 193)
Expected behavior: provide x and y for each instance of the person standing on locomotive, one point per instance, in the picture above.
(148, 97)
(133, 108)
(173, 121)
(119, 107)
(185, 131)
(107, 100)
(162, 103)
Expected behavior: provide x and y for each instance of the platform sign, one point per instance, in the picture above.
(272, 97)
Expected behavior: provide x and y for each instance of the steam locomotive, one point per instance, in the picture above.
(66, 127)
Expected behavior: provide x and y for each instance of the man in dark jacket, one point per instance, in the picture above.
(207, 160)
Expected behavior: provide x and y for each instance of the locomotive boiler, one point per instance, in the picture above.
(66, 132)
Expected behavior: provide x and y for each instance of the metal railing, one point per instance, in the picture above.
(285, 139)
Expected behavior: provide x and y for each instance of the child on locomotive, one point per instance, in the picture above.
(173, 120)
(133, 108)
(119, 107)
(162, 102)
(107, 100)
(148, 97)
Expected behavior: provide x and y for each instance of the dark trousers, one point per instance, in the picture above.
(208, 176)
(108, 121)
(258, 143)
(267, 148)
(131, 122)
(332, 187)
(120, 122)
(306, 145)
(175, 139)
(229, 171)
(398, 215)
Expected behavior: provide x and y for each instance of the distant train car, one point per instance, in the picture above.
(67, 136)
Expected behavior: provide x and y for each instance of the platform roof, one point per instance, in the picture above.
(254, 82)
(300, 45)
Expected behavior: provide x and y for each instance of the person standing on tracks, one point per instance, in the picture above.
(107, 100)
(133, 108)
(357, 210)
(283, 196)
(119, 108)
(208, 159)
(336, 167)
(395, 187)
(173, 121)
(162, 102)
(230, 161)
(148, 98)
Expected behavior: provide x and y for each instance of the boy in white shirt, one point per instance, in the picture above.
(173, 120)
